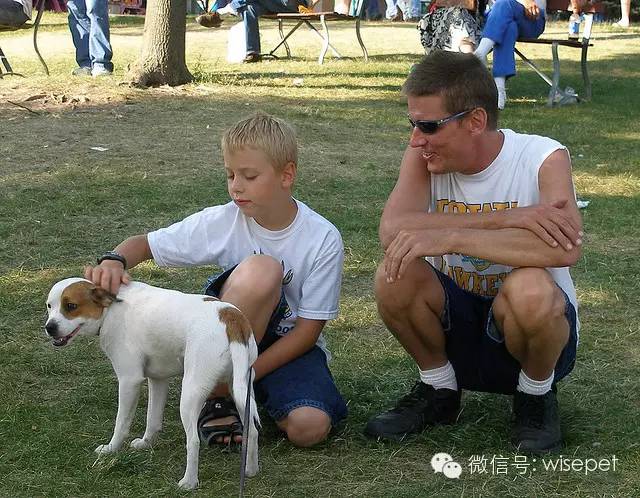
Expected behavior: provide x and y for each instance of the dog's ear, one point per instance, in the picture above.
(103, 297)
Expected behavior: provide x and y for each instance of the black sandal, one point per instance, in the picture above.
(214, 409)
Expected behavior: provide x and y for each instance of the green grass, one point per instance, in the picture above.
(61, 204)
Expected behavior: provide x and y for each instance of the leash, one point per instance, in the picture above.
(245, 434)
(36, 26)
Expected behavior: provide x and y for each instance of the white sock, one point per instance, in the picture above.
(484, 47)
(440, 378)
(534, 387)
(502, 91)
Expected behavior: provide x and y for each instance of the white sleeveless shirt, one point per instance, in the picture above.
(510, 181)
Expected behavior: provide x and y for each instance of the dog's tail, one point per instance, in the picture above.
(244, 351)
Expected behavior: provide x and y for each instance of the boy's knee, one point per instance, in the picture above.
(307, 426)
(262, 271)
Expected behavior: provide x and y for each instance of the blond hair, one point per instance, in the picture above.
(266, 133)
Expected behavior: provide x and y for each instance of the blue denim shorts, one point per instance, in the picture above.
(304, 381)
(476, 348)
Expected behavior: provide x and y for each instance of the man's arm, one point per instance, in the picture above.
(296, 343)
(111, 274)
(510, 246)
(407, 204)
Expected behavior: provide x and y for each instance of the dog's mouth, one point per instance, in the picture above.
(62, 341)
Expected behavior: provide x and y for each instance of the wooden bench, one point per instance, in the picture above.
(557, 95)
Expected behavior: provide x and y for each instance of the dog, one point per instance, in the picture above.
(153, 333)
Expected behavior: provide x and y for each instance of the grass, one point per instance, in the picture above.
(62, 203)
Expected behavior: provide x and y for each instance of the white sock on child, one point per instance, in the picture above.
(534, 387)
(502, 91)
(440, 378)
(484, 47)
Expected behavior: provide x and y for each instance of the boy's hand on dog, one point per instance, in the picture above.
(109, 275)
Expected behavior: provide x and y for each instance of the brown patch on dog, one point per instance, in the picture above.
(85, 299)
(210, 298)
(238, 327)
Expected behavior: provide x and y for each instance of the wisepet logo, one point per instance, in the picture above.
(443, 462)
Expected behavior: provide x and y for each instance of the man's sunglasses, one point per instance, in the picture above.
(430, 127)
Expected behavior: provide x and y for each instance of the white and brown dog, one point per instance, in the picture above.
(154, 333)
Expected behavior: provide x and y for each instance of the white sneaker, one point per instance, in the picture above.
(99, 71)
(621, 24)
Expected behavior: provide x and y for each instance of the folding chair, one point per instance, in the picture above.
(323, 18)
(4, 62)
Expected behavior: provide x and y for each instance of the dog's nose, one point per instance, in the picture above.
(51, 328)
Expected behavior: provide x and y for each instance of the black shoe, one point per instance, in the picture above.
(250, 58)
(536, 423)
(422, 407)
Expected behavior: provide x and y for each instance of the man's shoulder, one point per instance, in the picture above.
(529, 139)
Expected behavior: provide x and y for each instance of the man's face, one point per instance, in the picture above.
(445, 150)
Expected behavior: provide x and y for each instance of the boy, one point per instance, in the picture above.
(282, 267)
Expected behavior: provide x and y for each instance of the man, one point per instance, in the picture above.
(493, 307)
(14, 13)
(89, 26)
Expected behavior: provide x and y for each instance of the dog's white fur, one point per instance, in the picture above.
(154, 333)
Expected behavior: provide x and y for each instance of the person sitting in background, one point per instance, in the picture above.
(452, 25)
(507, 21)
(14, 13)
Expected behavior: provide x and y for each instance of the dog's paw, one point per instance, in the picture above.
(104, 449)
(188, 483)
(140, 444)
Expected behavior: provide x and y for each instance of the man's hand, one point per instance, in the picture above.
(549, 222)
(531, 10)
(109, 275)
(410, 245)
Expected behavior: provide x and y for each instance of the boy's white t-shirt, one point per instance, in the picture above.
(310, 250)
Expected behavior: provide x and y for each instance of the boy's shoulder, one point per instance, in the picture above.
(317, 223)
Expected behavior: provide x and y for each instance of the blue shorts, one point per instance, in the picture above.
(475, 346)
(304, 381)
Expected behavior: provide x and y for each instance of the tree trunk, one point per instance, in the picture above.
(162, 60)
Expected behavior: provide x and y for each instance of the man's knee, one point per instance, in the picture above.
(307, 426)
(532, 297)
(418, 283)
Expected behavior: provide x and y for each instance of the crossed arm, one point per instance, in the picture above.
(544, 235)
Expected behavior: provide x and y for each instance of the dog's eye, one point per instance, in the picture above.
(48, 306)
(71, 306)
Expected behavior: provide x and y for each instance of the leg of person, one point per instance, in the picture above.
(250, 15)
(412, 308)
(539, 327)
(100, 50)
(302, 397)
(625, 9)
(392, 13)
(80, 27)
(255, 287)
(12, 13)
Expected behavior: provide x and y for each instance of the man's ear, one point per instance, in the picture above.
(288, 174)
(477, 121)
(103, 297)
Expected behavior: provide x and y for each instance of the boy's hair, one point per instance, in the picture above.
(266, 133)
(461, 79)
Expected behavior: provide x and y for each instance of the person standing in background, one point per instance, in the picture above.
(89, 26)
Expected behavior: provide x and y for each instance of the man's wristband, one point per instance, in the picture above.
(113, 256)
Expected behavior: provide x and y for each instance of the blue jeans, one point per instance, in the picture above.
(254, 9)
(89, 26)
(506, 22)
